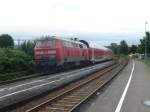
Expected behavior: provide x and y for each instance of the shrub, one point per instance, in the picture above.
(12, 60)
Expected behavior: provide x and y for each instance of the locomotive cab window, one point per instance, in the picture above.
(41, 44)
(51, 43)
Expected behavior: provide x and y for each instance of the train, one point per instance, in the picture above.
(56, 52)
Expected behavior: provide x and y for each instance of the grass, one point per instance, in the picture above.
(147, 62)
(11, 76)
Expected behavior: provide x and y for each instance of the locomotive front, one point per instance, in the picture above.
(47, 53)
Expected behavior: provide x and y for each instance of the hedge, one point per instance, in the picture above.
(12, 60)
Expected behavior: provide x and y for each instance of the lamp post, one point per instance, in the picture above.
(145, 41)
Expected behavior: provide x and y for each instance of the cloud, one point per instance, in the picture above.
(82, 15)
(117, 18)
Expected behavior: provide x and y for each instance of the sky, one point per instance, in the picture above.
(103, 21)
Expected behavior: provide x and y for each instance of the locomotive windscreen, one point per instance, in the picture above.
(45, 43)
(40, 43)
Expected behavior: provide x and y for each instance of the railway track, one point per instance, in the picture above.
(68, 98)
(15, 93)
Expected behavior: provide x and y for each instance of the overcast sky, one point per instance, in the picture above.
(113, 19)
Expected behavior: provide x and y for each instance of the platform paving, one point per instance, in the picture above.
(139, 90)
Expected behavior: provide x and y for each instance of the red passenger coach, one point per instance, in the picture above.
(99, 53)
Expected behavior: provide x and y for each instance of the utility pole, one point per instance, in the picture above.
(146, 23)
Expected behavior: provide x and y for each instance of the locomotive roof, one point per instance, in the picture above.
(64, 39)
(69, 40)
(92, 44)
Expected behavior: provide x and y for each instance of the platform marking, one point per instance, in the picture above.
(125, 91)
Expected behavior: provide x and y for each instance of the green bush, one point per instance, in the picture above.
(12, 60)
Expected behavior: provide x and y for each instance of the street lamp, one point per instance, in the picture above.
(146, 23)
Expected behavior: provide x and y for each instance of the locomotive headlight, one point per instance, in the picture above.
(39, 52)
(52, 52)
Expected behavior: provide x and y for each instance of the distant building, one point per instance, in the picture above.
(137, 55)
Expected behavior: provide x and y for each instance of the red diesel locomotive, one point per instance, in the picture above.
(58, 52)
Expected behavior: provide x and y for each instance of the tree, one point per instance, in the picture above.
(141, 46)
(28, 47)
(6, 41)
(133, 49)
(148, 42)
(124, 47)
(114, 47)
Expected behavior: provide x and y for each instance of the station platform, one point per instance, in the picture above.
(128, 92)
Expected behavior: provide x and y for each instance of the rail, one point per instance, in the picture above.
(69, 99)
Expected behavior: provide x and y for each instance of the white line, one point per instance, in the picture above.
(61, 74)
(28, 89)
(40, 80)
(34, 87)
(41, 84)
(125, 91)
